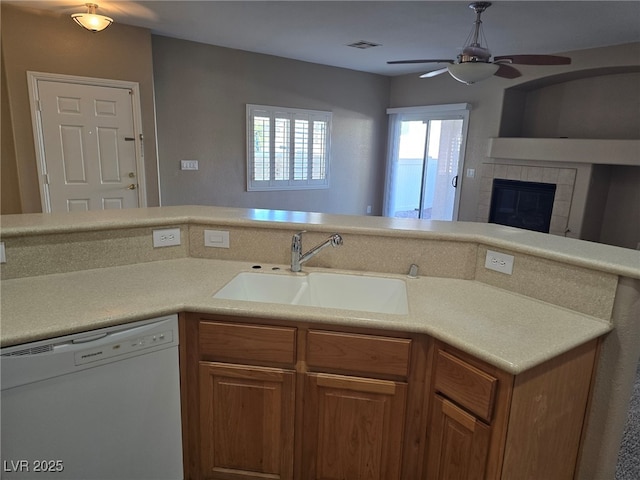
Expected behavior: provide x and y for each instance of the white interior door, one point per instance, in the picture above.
(89, 157)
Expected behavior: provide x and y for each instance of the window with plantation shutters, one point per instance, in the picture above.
(287, 148)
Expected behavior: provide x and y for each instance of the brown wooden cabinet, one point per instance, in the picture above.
(459, 443)
(353, 428)
(461, 413)
(487, 424)
(354, 417)
(246, 421)
(279, 402)
(246, 401)
(289, 400)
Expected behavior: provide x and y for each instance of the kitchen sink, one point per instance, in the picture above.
(258, 287)
(320, 289)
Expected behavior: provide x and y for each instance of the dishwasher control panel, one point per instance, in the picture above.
(123, 347)
(46, 359)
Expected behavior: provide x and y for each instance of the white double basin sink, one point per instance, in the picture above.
(320, 289)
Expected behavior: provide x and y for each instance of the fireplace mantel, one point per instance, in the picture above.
(570, 150)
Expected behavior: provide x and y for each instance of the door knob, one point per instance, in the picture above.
(132, 186)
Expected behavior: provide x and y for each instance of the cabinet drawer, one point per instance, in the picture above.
(465, 384)
(241, 343)
(349, 352)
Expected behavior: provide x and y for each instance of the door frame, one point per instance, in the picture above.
(429, 112)
(36, 121)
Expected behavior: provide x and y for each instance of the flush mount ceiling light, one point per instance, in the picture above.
(91, 20)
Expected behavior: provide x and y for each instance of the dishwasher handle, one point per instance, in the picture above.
(90, 338)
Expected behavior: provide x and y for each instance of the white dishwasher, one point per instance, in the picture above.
(100, 405)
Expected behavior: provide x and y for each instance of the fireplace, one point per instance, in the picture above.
(527, 205)
(563, 176)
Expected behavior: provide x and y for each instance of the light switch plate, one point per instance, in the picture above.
(500, 262)
(188, 164)
(166, 238)
(216, 238)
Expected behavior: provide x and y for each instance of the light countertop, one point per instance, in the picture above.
(605, 258)
(510, 331)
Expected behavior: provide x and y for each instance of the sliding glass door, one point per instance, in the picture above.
(424, 162)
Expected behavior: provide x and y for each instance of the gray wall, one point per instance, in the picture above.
(621, 218)
(201, 94)
(9, 191)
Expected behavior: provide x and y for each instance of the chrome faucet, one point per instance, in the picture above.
(298, 258)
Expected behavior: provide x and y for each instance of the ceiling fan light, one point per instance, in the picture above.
(472, 72)
(91, 20)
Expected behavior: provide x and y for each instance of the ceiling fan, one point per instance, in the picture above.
(474, 63)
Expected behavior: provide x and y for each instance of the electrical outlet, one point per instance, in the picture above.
(500, 262)
(166, 238)
(216, 238)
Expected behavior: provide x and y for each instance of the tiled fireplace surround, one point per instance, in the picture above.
(563, 178)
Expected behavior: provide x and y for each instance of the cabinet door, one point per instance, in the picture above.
(458, 443)
(353, 428)
(246, 422)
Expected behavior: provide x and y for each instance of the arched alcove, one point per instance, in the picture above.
(602, 103)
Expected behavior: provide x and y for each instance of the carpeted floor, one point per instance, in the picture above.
(629, 457)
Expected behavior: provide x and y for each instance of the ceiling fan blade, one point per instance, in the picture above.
(433, 73)
(507, 71)
(534, 59)
(395, 62)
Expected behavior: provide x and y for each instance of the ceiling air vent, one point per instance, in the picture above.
(363, 44)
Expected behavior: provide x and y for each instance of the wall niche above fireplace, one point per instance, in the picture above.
(599, 104)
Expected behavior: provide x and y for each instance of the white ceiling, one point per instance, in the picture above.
(319, 31)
